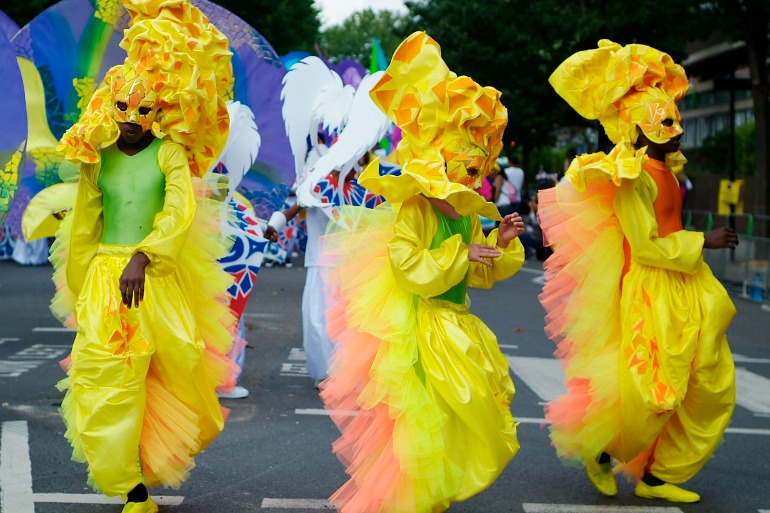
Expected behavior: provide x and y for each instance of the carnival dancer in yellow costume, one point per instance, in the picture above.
(136, 259)
(426, 380)
(638, 317)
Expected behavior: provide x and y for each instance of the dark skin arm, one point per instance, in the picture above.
(132, 280)
(720, 238)
(290, 213)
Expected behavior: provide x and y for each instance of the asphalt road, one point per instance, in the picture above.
(275, 454)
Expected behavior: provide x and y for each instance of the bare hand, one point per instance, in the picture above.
(721, 238)
(481, 252)
(271, 234)
(510, 227)
(132, 280)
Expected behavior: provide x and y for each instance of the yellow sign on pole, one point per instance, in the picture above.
(730, 194)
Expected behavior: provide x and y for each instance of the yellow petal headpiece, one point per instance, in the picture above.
(178, 66)
(624, 87)
(449, 124)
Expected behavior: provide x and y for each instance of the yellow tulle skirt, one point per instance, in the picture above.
(418, 387)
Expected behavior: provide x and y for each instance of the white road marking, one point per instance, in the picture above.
(531, 271)
(543, 375)
(16, 494)
(507, 346)
(3, 340)
(540, 280)
(46, 351)
(30, 358)
(748, 431)
(738, 358)
(90, 498)
(752, 391)
(296, 504)
(15, 469)
(297, 354)
(321, 411)
(54, 329)
(294, 370)
(577, 508)
(259, 315)
(530, 420)
(14, 369)
(295, 367)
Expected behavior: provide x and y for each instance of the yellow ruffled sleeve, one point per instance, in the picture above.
(679, 251)
(169, 234)
(87, 227)
(417, 268)
(503, 267)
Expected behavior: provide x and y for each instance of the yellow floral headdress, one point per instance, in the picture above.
(449, 125)
(178, 66)
(624, 87)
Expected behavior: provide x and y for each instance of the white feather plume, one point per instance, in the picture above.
(312, 95)
(242, 146)
(366, 125)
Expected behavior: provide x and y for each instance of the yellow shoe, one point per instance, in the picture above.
(666, 491)
(147, 506)
(602, 477)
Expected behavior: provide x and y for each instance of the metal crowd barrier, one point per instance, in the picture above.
(746, 269)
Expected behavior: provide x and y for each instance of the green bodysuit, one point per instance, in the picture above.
(448, 227)
(133, 191)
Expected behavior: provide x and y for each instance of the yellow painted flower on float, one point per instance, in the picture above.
(624, 87)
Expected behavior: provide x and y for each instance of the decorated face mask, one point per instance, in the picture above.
(656, 115)
(466, 162)
(134, 100)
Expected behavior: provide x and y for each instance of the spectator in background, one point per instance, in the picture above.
(515, 175)
(505, 196)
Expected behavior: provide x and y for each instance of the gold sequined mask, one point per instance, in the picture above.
(134, 98)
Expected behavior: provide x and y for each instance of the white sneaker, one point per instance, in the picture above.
(288, 265)
(238, 392)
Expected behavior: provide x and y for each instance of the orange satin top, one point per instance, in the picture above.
(667, 205)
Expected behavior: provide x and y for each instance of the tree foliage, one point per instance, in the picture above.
(287, 25)
(353, 38)
(23, 12)
(714, 154)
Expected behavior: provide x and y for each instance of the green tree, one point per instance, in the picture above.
(714, 154)
(287, 25)
(353, 38)
(23, 12)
